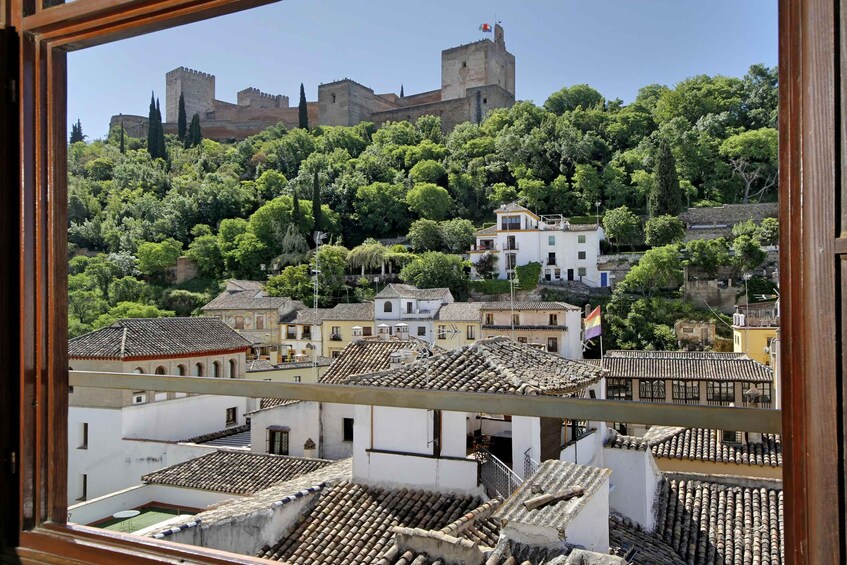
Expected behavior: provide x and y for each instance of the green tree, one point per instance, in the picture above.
(124, 310)
(753, 158)
(428, 171)
(748, 252)
(769, 231)
(194, 135)
(122, 147)
(294, 248)
(436, 270)
(125, 289)
(664, 230)
(381, 209)
(368, 256)
(708, 254)
(182, 119)
(458, 235)
(429, 201)
(666, 194)
(426, 235)
(183, 302)
(152, 132)
(271, 184)
(577, 96)
(622, 226)
(76, 132)
(659, 269)
(293, 282)
(486, 265)
(248, 256)
(332, 263)
(161, 148)
(303, 109)
(206, 253)
(501, 193)
(155, 258)
(588, 183)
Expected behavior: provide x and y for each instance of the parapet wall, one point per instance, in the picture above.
(197, 88)
(255, 98)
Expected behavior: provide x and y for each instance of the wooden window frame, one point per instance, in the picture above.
(33, 446)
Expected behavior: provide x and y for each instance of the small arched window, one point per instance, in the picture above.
(138, 371)
(181, 370)
(232, 369)
(160, 370)
(198, 369)
(387, 307)
(216, 369)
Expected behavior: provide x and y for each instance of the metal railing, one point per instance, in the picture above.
(495, 475)
(530, 465)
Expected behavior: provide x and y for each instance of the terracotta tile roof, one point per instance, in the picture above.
(685, 365)
(640, 547)
(249, 300)
(156, 337)
(553, 476)
(240, 284)
(460, 312)
(698, 444)
(711, 522)
(352, 523)
(395, 290)
(490, 230)
(493, 365)
(234, 472)
(340, 312)
(266, 403)
(513, 207)
(219, 434)
(528, 305)
(371, 355)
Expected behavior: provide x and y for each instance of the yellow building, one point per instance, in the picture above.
(324, 331)
(554, 325)
(754, 326)
(458, 324)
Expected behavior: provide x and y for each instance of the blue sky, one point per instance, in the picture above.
(616, 46)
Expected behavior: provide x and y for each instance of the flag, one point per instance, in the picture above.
(592, 325)
(485, 28)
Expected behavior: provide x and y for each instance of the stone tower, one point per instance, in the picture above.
(483, 63)
(197, 88)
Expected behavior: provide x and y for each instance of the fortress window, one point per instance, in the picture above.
(333, 98)
(464, 63)
(485, 100)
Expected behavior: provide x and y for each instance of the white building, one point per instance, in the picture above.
(566, 251)
(406, 308)
(116, 436)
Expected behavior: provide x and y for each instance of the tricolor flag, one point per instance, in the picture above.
(592, 325)
(485, 28)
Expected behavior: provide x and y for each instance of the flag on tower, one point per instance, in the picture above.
(593, 325)
(485, 28)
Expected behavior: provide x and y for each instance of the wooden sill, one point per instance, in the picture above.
(74, 544)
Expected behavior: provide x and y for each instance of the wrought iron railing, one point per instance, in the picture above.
(495, 475)
(530, 465)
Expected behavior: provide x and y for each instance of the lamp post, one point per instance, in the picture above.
(318, 237)
(597, 205)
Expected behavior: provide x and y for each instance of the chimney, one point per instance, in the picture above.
(395, 360)
(402, 331)
(273, 356)
(310, 450)
(357, 333)
(382, 332)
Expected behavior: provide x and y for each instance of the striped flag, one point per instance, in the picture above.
(593, 325)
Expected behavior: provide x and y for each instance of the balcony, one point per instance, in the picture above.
(720, 402)
(335, 337)
(511, 246)
(486, 245)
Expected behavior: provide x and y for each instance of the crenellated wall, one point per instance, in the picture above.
(197, 88)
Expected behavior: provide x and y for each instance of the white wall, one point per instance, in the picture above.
(302, 419)
(526, 434)
(332, 442)
(402, 429)
(139, 495)
(454, 441)
(181, 418)
(635, 478)
(571, 347)
(590, 528)
(445, 475)
(588, 450)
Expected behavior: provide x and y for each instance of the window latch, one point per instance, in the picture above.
(13, 463)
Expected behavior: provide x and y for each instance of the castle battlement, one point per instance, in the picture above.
(345, 79)
(187, 71)
(256, 92)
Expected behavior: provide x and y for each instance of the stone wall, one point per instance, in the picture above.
(709, 223)
(197, 88)
(346, 103)
(483, 63)
(451, 112)
(255, 98)
(134, 126)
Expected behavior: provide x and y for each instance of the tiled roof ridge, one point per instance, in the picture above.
(481, 512)
(522, 386)
(218, 434)
(123, 343)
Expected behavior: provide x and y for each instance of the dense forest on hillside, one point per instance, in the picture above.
(236, 207)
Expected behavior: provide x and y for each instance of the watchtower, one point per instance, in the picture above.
(198, 89)
(483, 63)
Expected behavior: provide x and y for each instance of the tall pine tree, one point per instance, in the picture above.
(304, 111)
(666, 195)
(401, 92)
(194, 136)
(316, 202)
(160, 134)
(123, 143)
(152, 131)
(76, 132)
(182, 120)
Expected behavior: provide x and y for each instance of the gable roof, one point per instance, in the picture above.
(395, 290)
(685, 365)
(490, 230)
(356, 521)
(553, 476)
(371, 355)
(339, 312)
(241, 284)
(251, 299)
(493, 365)
(528, 305)
(151, 338)
(460, 312)
(698, 444)
(513, 207)
(234, 472)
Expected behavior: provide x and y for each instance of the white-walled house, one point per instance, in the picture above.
(566, 251)
(406, 308)
(116, 436)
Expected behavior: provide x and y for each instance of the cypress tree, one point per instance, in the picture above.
(76, 132)
(123, 145)
(182, 120)
(316, 202)
(295, 210)
(194, 136)
(161, 148)
(304, 112)
(666, 195)
(152, 135)
(401, 91)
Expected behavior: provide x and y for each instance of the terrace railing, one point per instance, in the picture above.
(495, 475)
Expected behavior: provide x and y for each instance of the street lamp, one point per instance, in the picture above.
(597, 204)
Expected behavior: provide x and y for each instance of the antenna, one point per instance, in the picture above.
(318, 237)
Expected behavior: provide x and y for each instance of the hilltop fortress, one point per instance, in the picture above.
(475, 78)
